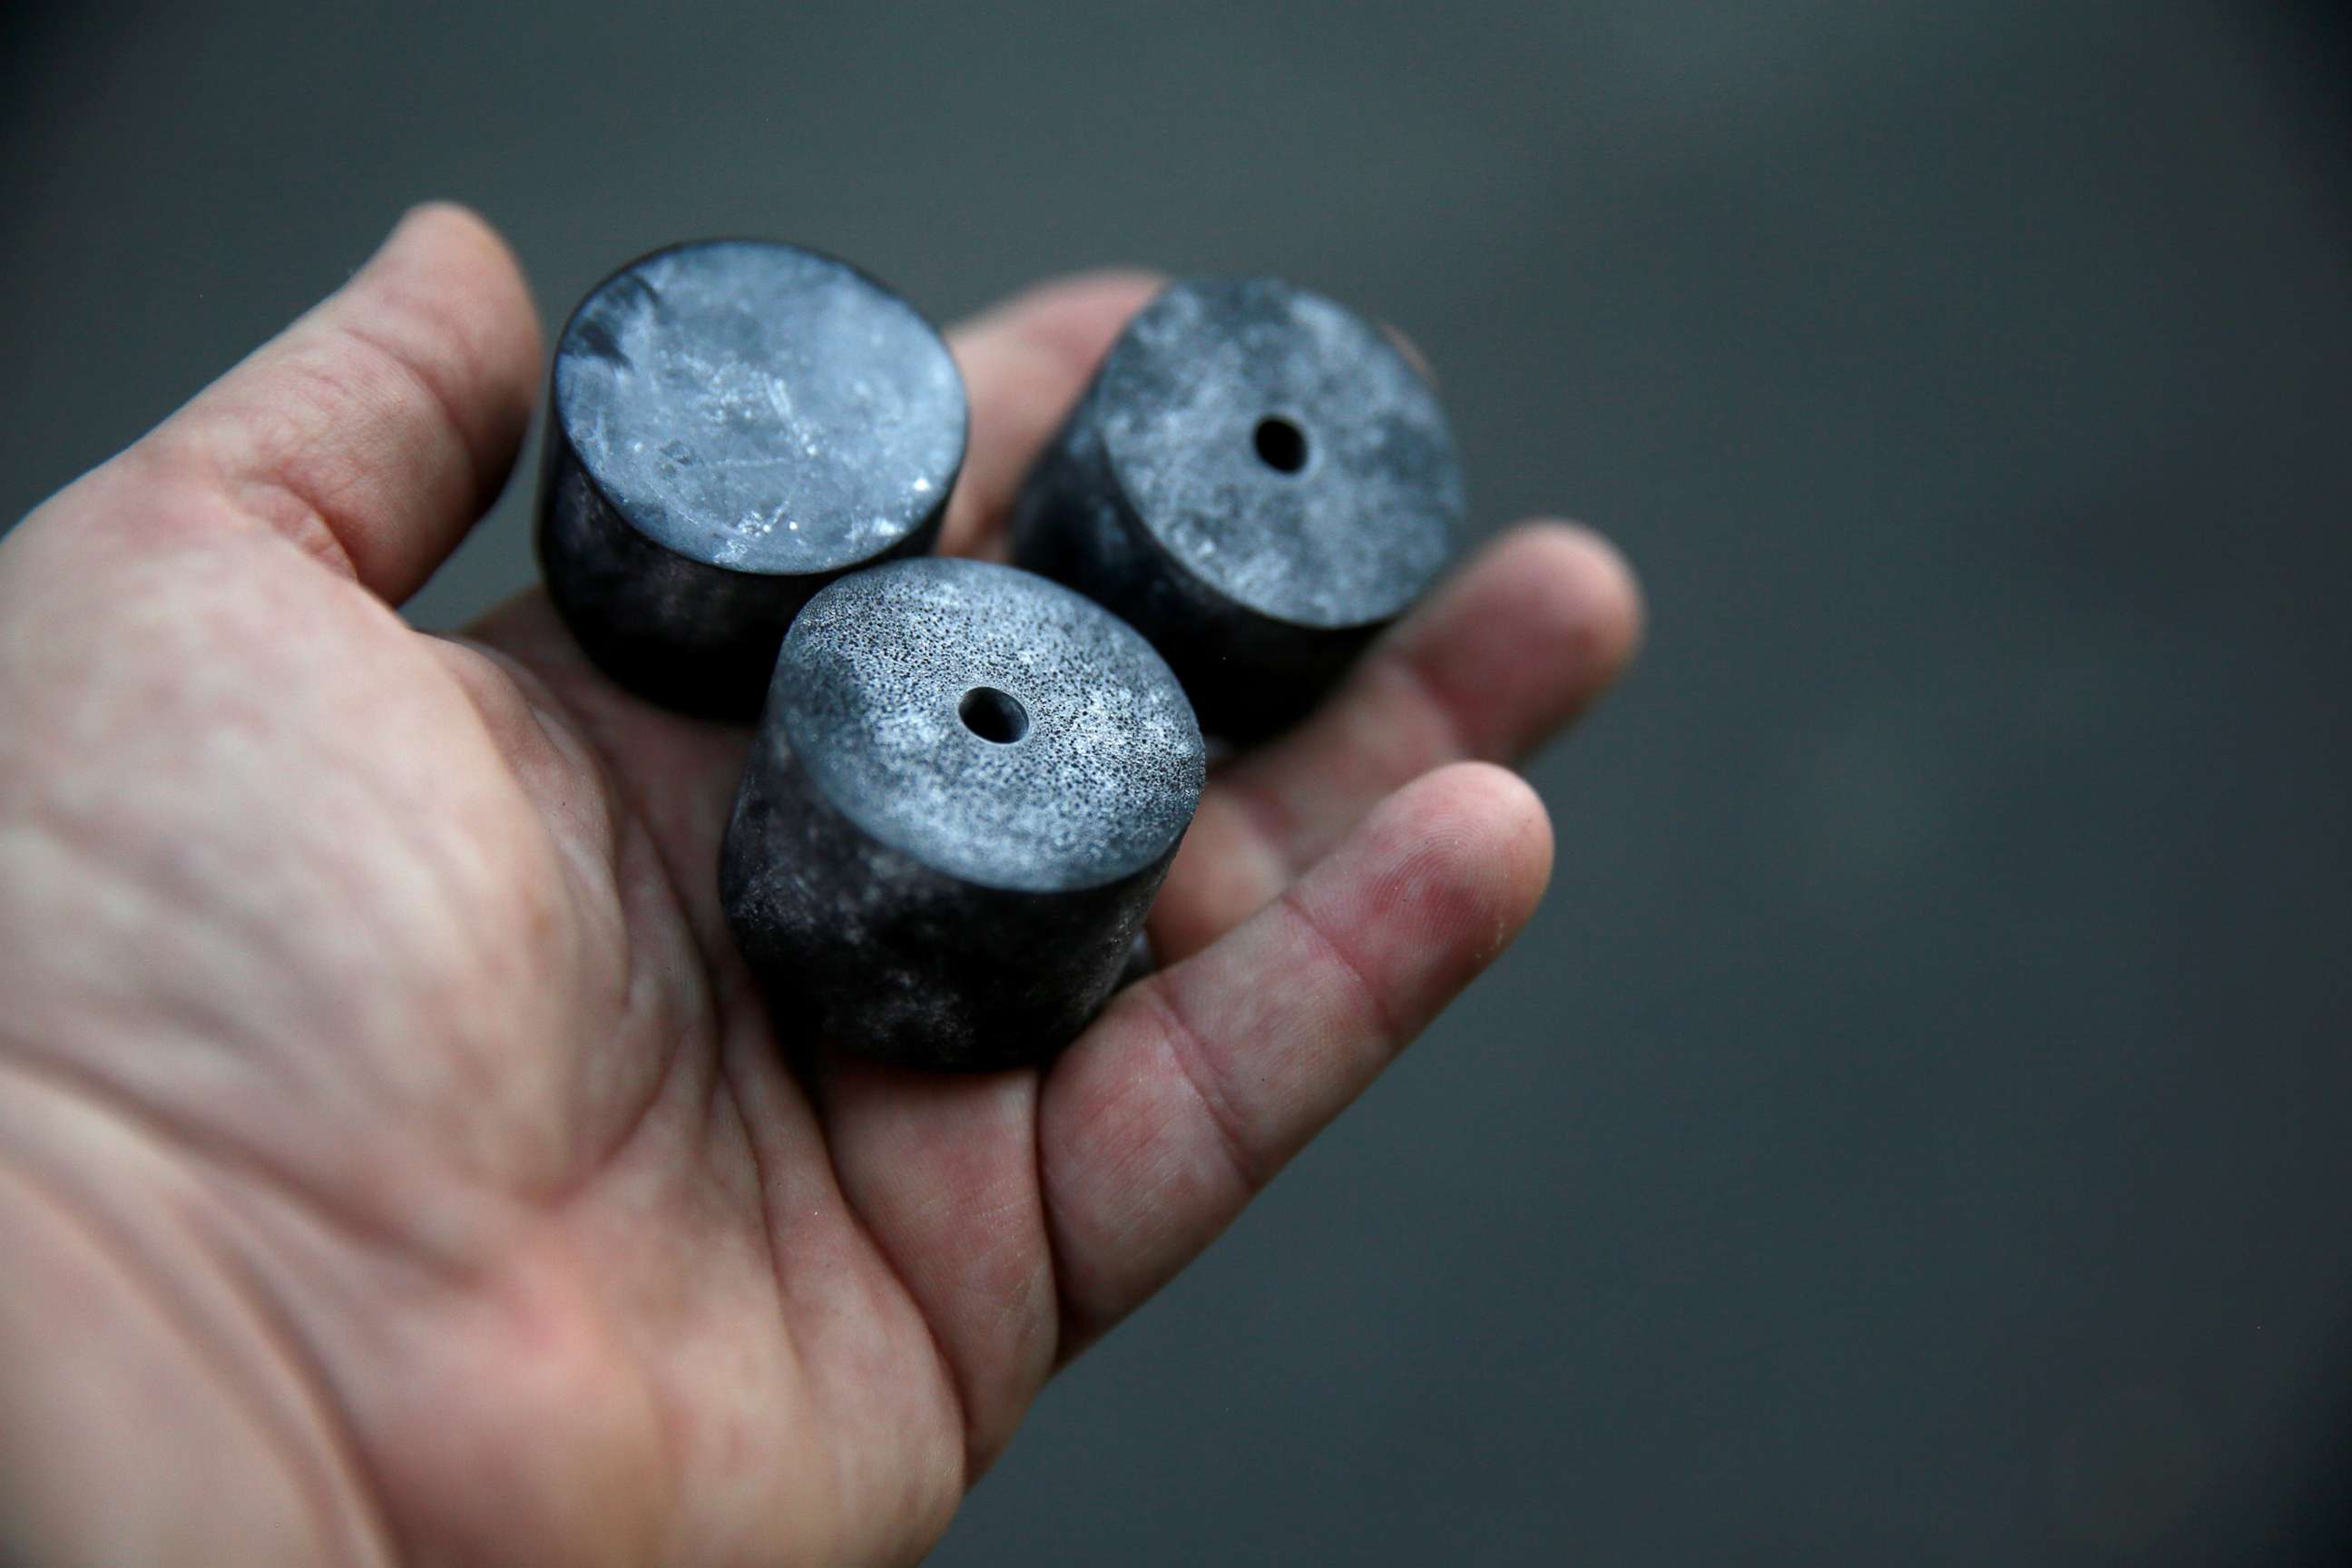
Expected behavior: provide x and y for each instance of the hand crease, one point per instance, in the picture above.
(1273, 828)
(1454, 740)
(91, 1089)
(1385, 1032)
(294, 1456)
(308, 526)
(1190, 1052)
(480, 468)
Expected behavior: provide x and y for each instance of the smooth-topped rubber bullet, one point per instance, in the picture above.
(1258, 481)
(733, 424)
(966, 786)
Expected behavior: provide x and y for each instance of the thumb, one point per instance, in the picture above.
(375, 430)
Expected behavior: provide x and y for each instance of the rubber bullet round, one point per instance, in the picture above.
(733, 426)
(966, 786)
(1259, 481)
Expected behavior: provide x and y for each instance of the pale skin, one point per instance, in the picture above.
(395, 1162)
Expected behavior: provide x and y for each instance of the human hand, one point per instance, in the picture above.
(396, 1162)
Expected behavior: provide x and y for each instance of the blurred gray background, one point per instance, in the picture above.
(1919, 1126)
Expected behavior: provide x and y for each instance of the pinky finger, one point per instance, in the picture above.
(1199, 1083)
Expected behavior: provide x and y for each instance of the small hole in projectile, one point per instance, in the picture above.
(992, 715)
(1281, 445)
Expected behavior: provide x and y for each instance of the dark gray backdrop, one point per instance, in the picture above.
(1915, 1128)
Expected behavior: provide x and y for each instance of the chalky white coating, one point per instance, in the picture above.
(759, 407)
(866, 694)
(1352, 538)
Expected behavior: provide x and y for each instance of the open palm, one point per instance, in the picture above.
(396, 1162)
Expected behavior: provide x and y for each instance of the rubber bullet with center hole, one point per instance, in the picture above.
(733, 426)
(1259, 481)
(966, 788)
